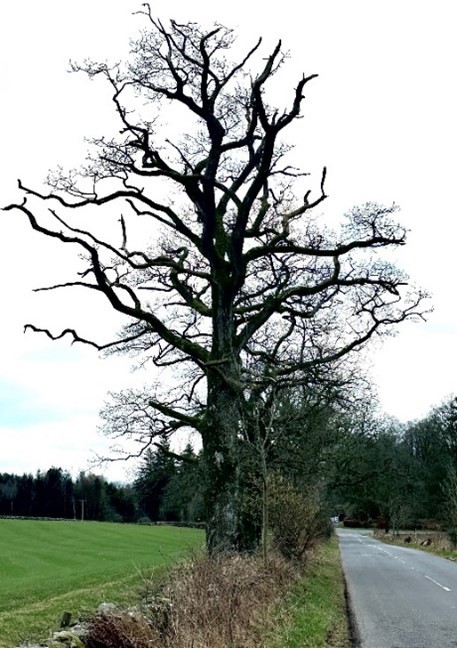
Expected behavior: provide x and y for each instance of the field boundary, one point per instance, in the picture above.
(184, 525)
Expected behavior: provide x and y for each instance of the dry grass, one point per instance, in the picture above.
(223, 603)
(437, 542)
(438, 539)
(114, 630)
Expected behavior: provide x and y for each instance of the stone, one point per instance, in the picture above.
(106, 608)
(65, 639)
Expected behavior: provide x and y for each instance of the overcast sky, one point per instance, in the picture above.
(381, 116)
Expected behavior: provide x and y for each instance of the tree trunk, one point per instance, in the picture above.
(264, 508)
(230, 527)
(221, 468)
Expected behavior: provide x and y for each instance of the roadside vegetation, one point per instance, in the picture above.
(432, 541)
(204, 602)
(314, 614)
(237, 601)
(228, 601)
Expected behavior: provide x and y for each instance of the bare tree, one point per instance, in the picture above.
(212, 252)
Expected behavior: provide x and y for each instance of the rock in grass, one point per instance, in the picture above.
(65, 639)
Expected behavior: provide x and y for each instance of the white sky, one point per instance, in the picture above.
(381, 116)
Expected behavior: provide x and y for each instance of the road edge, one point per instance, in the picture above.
(354, 633)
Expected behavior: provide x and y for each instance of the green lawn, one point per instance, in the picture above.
(49, 567)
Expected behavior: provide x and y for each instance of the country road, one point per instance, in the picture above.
(400, 597)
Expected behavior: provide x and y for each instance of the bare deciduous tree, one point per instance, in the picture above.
(213, 253)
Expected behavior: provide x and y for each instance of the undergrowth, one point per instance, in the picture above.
(206, 603)
(236, 602)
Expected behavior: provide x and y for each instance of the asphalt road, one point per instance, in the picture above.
(400, 597)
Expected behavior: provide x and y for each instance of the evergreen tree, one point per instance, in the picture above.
(153, 476)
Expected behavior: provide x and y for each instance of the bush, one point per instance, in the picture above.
(144, 520)
(296, 518)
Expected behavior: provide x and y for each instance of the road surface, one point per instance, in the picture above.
(400, 597)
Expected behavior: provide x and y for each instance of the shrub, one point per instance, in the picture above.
(144, 520)
(296, 518)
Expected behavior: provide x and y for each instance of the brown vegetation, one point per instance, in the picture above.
(438, 540)
(207, 602)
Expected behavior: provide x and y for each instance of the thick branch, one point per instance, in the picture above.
(195, 422)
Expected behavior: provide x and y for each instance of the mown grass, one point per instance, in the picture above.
(314, 615)
(48, 567)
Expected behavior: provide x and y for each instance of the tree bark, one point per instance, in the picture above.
(221, 468)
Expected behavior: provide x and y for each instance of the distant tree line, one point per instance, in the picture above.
(331, 445)
(403, 473)
(55, 494)
(163, 489)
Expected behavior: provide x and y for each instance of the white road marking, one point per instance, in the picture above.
(432, 580)
(446, 589)
(388, 553)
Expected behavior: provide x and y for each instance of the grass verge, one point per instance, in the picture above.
(314, 614)
(440, 544)
(50, 567)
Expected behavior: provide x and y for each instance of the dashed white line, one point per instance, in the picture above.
(432, 580)
(388, 553)
(446, 589)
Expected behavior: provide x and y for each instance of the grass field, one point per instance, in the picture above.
(49, 567)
